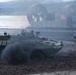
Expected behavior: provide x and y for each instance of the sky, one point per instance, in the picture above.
(68, 0)
(22, 0)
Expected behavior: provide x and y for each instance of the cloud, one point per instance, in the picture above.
(6, 0)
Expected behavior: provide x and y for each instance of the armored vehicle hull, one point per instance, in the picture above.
(29, 46)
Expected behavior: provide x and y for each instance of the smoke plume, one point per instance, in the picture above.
(14, 54)
(19, 49)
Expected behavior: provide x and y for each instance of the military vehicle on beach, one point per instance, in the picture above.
(34, 47)
(4, 39)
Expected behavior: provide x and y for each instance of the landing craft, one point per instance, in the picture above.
(54, 20)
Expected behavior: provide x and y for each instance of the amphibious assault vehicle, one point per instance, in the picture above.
(35, 48)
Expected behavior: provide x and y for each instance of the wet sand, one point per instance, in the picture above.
(58, 73)
(68, 47)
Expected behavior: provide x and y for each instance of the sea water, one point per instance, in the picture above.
(13, 24)
(10, 31)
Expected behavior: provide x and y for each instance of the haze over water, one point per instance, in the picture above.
(12, 24)
(17, 22)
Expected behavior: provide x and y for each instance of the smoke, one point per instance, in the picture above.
(19, 49)
(14, 54)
